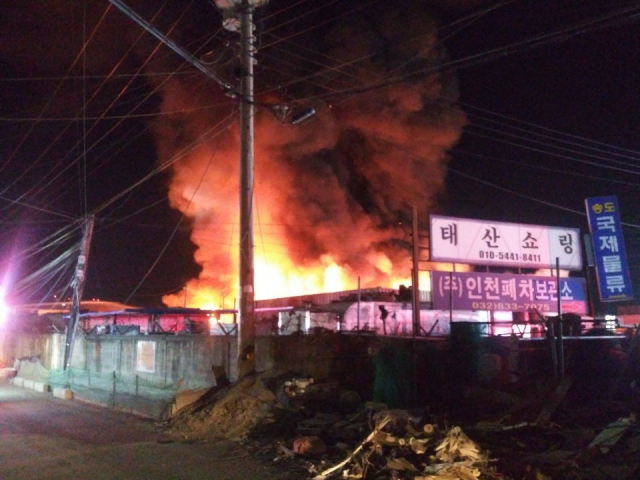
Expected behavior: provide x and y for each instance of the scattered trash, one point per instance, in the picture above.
(610, 435)
(309, 446)
(303, 425)
(419, 454)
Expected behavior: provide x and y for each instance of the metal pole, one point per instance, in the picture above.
(590, 264)
(416, 303)
(246, 326)
(560, 324)
(113, 401)
(552, 343)
(450, 298)
(358, 317)
(415, 274)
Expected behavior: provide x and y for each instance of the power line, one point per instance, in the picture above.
(495, 186)
(604, 21)
(166, 164)
(558, 155)
(574, 139)
(175, 230)
(547, 169)
(62, 170)
(49, 102)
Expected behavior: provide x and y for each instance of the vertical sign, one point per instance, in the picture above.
(608, 245)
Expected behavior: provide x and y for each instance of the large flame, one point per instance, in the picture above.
(333, 196)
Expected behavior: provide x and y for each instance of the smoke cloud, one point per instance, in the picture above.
(333, 196)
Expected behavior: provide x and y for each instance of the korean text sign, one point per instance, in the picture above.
(480, 242)
(507, 292)
(608, 247)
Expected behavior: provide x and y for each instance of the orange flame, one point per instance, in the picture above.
(331, 195)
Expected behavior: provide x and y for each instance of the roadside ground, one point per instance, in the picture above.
(43, 437)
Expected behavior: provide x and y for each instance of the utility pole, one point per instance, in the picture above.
(246, 321)
(239, 16)
(78, 287)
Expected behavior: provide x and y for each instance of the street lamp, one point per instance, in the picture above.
(238, 16)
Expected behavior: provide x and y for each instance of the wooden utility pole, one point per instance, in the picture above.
(239, 16)
(246, 321)
(77, 284)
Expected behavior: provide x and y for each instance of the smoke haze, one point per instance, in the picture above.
(333, 196)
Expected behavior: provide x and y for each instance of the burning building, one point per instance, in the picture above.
(332, 196)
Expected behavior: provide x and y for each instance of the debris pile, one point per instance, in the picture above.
(306, 393)
(233, 412)
(569, 452)
(424, 453)
(317, 430)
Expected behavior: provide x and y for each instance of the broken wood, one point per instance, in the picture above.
(329, 471)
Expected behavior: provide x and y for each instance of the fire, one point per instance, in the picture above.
(281, 278)
(332, 196)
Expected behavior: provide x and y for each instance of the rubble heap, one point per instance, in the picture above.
(396, 449)
(233, 412)
(318, 430)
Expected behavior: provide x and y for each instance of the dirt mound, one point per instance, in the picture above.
(234, 412)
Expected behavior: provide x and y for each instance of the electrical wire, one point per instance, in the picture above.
(559, 155)
(165, 165)
(83, 173)
(50, 101)
(58, 166)
(175, 230)
(573, 173)
(465, 21)
(573, 139)
(338, 67)
(604, 21)
(35, 207)
(115, 117)
(45, 246)
(495, 186)
(106, 134)
(339, 92)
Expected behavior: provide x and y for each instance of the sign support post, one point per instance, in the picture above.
(560, 324)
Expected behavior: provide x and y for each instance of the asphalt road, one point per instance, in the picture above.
(43, 437)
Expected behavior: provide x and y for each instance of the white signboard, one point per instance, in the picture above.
(481, 242)
(146, 358)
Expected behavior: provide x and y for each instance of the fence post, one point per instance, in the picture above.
(113, 396)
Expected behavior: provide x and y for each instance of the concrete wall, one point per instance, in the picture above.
(171, 360)
(186, 360)
(50, 348)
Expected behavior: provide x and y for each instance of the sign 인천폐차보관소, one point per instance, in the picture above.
(507, 292)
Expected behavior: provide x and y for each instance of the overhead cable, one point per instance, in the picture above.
(605, 21)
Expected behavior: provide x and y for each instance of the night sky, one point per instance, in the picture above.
(528, 132)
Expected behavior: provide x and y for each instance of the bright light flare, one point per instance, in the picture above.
(4, 312)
